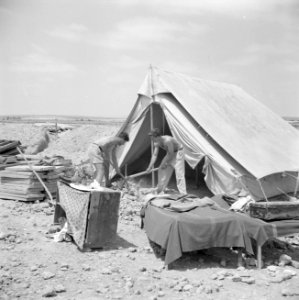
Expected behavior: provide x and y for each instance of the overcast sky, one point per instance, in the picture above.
(89, 57)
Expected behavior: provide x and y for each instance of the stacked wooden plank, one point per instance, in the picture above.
(21, 183)
(8, 147)
(9, 153)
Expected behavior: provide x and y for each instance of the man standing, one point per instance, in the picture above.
(173, 160)
(101, 154)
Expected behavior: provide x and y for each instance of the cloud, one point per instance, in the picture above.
(230, 7)
(260, 53)
(135, 33)
(7, 11)
(192, 69)
(292, 66)
(140, 33)
(127, 62)
(40, 62)
(71, 32)
(243, 60)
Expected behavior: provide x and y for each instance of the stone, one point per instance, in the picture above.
(86, 267)
(34, 268)
(106, 271)
(129, 284)
(187, 287)
(161, 294)
(272, 268)
(277, 279)
(284, 260)
(290, 292)
(47, 275)
(208, 289)
(132, 249)
(236, 278)
(248, 280)
(59, 288)
(3, 236)
(288, 274)
(295, 264)
(49, 291)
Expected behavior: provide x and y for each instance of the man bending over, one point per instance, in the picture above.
(102, 153)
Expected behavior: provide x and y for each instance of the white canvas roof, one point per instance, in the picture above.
(238, 135)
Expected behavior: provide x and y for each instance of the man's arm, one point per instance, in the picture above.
(154, 158)
(114, 160)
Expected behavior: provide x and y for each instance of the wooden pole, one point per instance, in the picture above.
(296, 187)
(152, 143)
(152, 119)
(141, 173)
(259, 256)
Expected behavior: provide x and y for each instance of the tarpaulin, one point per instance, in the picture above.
(203, 228)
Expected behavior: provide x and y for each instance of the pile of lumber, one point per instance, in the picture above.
(21, 182)
(9, 153)
(8, 147)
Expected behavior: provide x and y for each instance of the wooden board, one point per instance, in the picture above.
(35, 168)
(28, 197)
(25, 193)
(9, 145)
(26, 188)
(102, 218)
(14, 175)
(275, 210)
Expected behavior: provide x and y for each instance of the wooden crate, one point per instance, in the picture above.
(102, 218)
(274, 210)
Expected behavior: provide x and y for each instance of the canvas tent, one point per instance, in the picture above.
(240, 143)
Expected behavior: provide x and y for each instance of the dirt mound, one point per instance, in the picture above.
(70, 144)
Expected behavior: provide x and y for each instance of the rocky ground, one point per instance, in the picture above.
(34, 266)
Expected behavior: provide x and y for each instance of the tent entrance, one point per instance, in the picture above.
(140, 155)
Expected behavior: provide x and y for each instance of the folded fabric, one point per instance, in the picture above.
(241, 204)
(185, 203)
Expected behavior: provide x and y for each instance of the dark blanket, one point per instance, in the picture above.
(203, 228)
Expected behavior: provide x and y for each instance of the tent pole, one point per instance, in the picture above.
(152, 143)
(152, 118)
(296, 187)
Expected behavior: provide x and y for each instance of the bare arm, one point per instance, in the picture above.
(114, 160)
(154, 158)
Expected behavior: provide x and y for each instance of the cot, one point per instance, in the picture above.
(207, 227)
